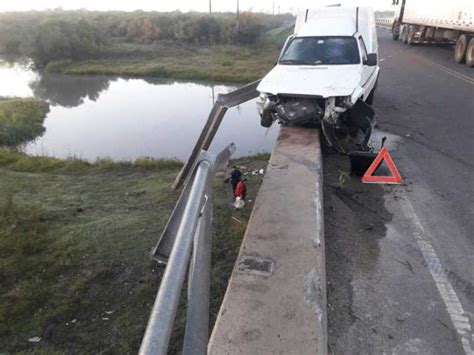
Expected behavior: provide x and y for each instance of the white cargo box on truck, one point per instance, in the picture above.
(429, 21)
(453, 14)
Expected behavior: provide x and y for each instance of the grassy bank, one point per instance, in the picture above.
(75, 240)
(179, 45)
(21, 120)
(217, 63)
(20, 162)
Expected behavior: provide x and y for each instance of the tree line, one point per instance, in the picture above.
(52, 35)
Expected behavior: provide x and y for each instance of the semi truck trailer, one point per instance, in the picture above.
(437, 22)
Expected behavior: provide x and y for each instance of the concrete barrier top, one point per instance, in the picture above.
(276, 299)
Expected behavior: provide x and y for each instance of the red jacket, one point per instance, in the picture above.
(241, 190)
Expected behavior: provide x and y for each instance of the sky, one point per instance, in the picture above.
(183, 5)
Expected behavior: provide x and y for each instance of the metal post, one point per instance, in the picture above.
(197, 317)
(160, 324)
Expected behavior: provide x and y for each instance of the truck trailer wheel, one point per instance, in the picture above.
(403, 36)
(411, 35)
(395, 31)
(470, 53)
(460, 50)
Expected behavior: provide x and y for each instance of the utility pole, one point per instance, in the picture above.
(273, 10)
(237, 26)
(210, 7)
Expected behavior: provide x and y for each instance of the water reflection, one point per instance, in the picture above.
(103, 116)
(15, 78)
(69, 91)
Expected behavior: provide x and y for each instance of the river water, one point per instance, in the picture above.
(121, 118)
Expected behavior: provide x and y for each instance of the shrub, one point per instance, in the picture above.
(21, 120)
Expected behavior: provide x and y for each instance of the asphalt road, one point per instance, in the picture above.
(400, 259)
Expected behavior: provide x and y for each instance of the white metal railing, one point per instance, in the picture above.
(384, 21)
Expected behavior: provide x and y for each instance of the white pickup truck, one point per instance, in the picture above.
(326, 75)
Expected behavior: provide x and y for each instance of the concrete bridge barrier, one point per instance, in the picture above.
(276, 299)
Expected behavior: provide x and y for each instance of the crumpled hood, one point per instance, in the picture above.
(325, 81)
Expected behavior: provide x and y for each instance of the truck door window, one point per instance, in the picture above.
(321, 51)
(363, 49)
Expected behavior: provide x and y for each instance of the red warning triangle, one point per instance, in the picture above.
(370, 178)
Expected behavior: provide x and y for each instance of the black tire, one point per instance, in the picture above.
(429, 34)
(266, 119)
(370, 99)
(403, 36)
(411, 35)
(460, 49)
(395, 31)
(470, 53)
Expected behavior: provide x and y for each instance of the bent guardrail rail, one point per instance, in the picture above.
(188, 230)
(224, 102)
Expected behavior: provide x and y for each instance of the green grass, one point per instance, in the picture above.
(17, 161)
(217, 63)
(76, 236)
(21, 120)
(75, 264)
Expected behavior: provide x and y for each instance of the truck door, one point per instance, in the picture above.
(367, 77)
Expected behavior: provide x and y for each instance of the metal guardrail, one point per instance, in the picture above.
(223, 103)
(384, 21)
(189, 231)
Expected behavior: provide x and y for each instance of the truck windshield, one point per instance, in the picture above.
(321, 51)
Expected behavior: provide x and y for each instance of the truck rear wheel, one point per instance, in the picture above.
(470, 53)
(395, 31)
(403, 36)
(411, 35)
(460, 50)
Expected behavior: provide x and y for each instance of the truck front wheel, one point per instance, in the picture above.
(370, 99)
(266, 119)
(470, 53)
(460, 50)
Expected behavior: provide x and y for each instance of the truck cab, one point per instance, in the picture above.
(326, 75)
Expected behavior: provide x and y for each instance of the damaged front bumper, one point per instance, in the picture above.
(346, 126)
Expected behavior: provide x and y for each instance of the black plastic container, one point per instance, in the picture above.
(361, 161)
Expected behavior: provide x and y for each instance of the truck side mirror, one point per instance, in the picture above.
(371, 60)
